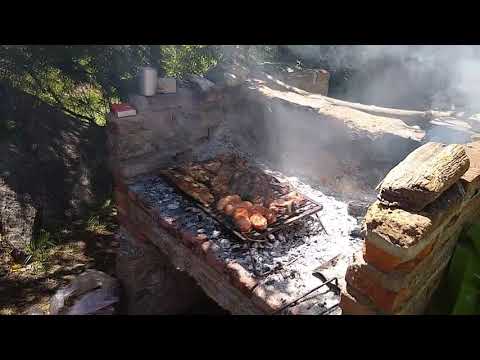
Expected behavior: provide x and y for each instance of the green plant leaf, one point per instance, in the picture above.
(464, 284)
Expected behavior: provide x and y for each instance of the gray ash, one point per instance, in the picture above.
(297, 251)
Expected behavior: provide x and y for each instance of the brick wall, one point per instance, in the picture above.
(166, 128)
(406, 252)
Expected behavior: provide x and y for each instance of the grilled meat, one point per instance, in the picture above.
(243, 224)
(258, 222)
(191, 187)
(230, 199)
(252, 185)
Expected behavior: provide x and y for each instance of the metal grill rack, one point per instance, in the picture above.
(309, 207)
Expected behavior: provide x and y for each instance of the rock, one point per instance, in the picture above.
(89, 293)
(173, 206)
(201, 83)
(356, 232)
(31, 198)
(311, 80)
(357, 208)
(17, 221)
(225, 243)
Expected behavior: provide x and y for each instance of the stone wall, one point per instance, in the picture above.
(151, 284)
(315, 81)
(406, 252)
(167, 128)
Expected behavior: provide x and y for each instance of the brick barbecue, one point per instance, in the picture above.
(308, 266)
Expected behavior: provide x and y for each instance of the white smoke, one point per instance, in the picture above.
(451, 73)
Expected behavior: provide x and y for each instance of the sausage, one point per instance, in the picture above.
(269, 214)
(243, 224)
(230, 208)
(230, 199)
(258, 222)
(241, 212)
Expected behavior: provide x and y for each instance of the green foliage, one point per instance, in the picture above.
(83, 81)
(41, 242)
(464, 286)
(178, 61)
(459, 293)
(39, 246)
(100, 220)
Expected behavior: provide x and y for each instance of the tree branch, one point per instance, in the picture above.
(57, 100)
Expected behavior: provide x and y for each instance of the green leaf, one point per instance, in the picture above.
(473, 235)
(464, 284)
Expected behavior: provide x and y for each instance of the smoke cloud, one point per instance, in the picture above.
(422, 76)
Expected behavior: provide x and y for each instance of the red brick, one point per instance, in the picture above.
(132, 195)
(193, 241)
(266, 300)
(240, 277)
(210, 250)
(135, 230)
(169, 227)
(410, 265)
(351, 306)
(386, 262)
(384, 299)
(380, 259)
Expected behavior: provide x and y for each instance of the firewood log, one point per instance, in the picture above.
(423, 176)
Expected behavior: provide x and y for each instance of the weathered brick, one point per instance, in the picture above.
(408, 266)
(240, 277)
(384, 299)
(379, 258)
(267, 300)
(396, 229)
(417, 304)
(398, 279)
(211, 251)
(396, 236)
(352, 306)
(193, 241)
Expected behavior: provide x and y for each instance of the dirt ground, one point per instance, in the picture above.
(27, 288)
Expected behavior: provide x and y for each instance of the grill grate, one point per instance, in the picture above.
(309, 207)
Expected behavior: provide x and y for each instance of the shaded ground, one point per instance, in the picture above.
(83, 245)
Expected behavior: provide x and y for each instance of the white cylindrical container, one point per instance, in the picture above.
(148, 81)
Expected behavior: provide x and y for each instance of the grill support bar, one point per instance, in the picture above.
(332, 281)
